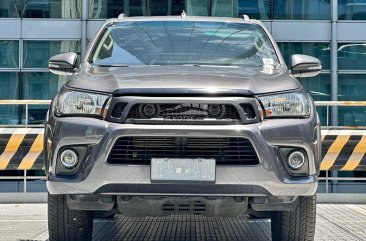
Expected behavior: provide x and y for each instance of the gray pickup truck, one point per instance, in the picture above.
(182, 114)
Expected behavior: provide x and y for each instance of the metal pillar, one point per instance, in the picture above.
(334, 61)
(25, 181)
(84, 17)
(334, 75)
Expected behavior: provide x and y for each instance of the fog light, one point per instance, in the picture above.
(69, 158)
(296, 160)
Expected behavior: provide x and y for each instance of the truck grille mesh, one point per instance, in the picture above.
(248, 110)
(118, 109)
(184, 111)
(140, 150)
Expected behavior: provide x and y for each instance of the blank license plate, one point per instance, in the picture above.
(182, 169)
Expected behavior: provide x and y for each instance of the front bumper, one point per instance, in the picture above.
(270, 178)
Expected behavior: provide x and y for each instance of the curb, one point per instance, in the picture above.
(28, 197)
(341, 198)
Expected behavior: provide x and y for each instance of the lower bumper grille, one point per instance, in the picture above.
(196, 207)
(140, 150)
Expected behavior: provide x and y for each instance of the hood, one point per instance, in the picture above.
(183, 80)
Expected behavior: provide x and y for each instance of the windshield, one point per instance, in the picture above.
(183, 43)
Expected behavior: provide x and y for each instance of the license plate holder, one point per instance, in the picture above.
(180, 170)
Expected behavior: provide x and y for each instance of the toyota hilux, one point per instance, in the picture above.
(182, 114)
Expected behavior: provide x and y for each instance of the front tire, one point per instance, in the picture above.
(65, 224)
(295, 225)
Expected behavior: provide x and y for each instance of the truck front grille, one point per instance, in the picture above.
(183, 111)
(140, 150)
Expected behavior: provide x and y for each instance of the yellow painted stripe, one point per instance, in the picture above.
(334, 151)
(12, 146)
(34, 152)
(356, 157)
(323, 134)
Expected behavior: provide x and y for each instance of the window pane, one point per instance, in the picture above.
(52, 9)
(302, 9)
(318, 50)
(165, 7)
(319, 89)
(112, 8)
(9, 54)
(10, 8)
(352, 87)
(177, 7)
(40, 86)
(197, 8)
(223, 8)
(159, 7)
(352, 10)
(37, 53)
(105, 8)
(258, 9)
(9, 83)
(352, 56)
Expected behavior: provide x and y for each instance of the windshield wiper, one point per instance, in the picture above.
(212, 65)
(112, 65)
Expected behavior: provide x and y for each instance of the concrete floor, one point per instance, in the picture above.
(334, 222)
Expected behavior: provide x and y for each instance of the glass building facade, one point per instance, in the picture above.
(332, 30)
(35, 30)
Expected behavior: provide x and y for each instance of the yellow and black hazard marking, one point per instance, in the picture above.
(343, 150)
(21, 148)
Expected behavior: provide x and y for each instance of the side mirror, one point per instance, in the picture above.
(63, 64)
(305, 66)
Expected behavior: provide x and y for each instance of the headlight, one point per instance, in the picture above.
(79, 103)
(285, 105)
